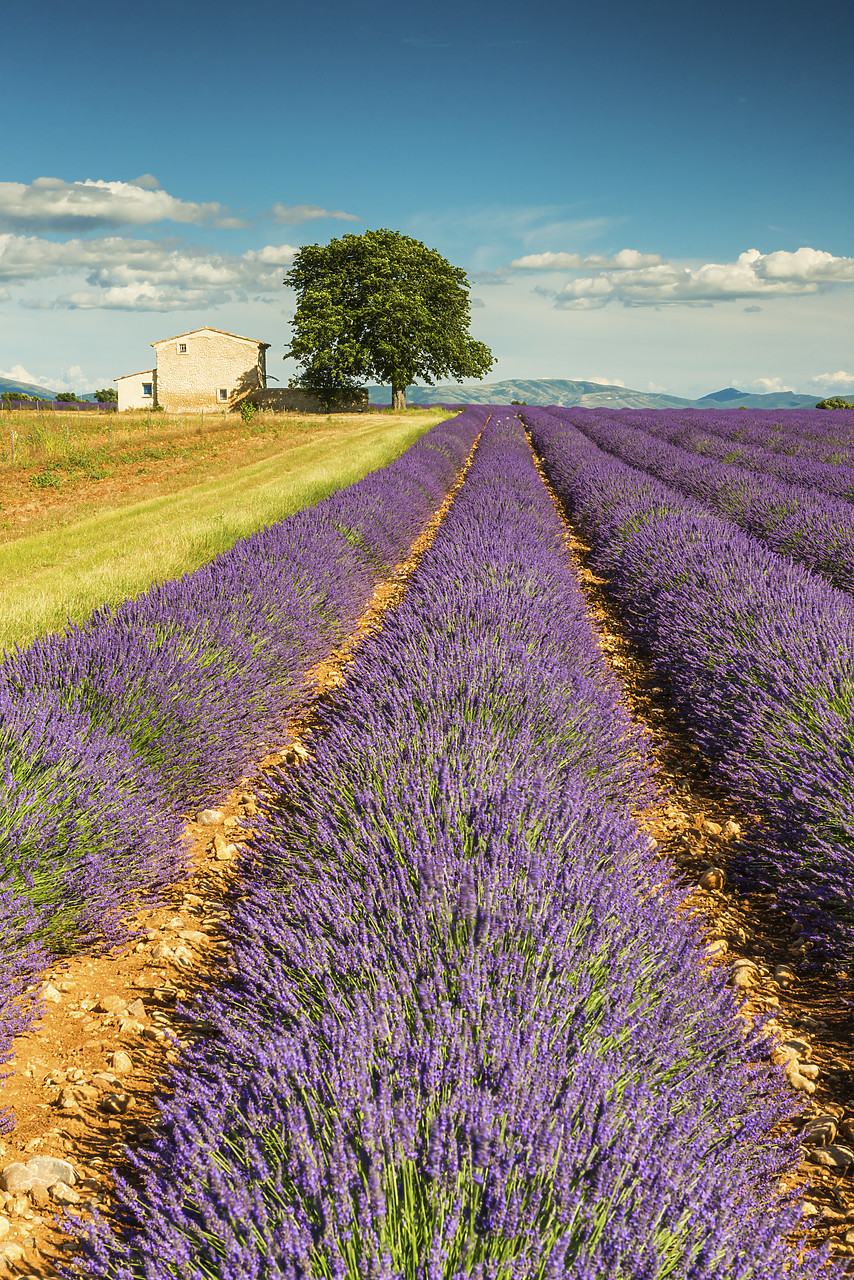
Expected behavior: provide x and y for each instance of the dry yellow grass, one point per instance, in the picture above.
(62, 572)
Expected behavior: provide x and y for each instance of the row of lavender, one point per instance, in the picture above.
(808, 457)
(798, 433)
(759, 655)
(465, 1037)
(113, 731)
(809, 526)
(827, 437)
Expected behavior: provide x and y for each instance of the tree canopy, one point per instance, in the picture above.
(835, 402)
(381, 306)
(106, 395)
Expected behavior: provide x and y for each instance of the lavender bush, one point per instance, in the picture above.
(803, 433)
(759, 654)
(20, 960)
(804, 449)
(112, 732)
(795, 433)
(465, 1036)
(804, 523)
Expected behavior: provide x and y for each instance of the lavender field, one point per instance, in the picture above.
(467, 1029)
(116, 730)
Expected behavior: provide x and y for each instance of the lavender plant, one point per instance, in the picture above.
(465, 1033)
(759, 655)
(113, 732)
(803, 450)
(22, 957)
(810, 526)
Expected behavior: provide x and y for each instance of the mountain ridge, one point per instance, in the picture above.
(29, 388)
(570, 393)
(566, 392)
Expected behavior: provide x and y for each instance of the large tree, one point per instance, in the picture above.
(383, 306)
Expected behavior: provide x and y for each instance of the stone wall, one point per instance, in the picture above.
(296, 399)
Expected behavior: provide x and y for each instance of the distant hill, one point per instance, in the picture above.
(730, 399)
(729, 393)
(28, 388)
(541, 391)
(42, 393)
(591, 395)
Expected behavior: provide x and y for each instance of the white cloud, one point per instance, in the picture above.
(71, 379)
(753, 275)
(50, 204)
(295, 215)
(491, 277)
(605, 382)
(807, 265)
(765, 385)
(622, 260)
(141, 296)
(281, 255)
(625, 258)
(839, 381)
(547, 262)
(140, 275)
(147, 181)
(19, 374)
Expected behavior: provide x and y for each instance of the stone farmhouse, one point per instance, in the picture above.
(204, 369)
(210, 369)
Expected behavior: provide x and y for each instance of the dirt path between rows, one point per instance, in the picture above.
(84, 1083)
(698, 826)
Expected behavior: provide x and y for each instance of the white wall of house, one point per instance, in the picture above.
(137, 390)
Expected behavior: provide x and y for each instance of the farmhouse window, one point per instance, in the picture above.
(223, 393)
(182, 348)
(146, 388)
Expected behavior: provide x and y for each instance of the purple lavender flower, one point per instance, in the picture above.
(759, 655)
(374, 1048)
(112, 732)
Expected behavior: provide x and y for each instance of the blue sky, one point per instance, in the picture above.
(654, 195)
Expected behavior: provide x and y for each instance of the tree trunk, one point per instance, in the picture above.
(398, 396)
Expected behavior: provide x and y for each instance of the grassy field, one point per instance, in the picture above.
(127, 507)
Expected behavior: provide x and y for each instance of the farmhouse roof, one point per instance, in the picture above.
(207, 328)
(133, 375)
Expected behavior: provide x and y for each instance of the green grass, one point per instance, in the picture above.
(63, 574)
